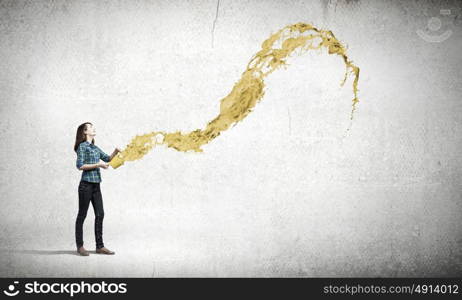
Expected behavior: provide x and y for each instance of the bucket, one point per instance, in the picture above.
(116, 162)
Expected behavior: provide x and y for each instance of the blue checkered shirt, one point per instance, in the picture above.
(88, 153)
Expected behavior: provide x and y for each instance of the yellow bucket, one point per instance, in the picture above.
(116, 162)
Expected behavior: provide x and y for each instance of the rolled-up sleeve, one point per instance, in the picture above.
(80, 156)
(103, 156)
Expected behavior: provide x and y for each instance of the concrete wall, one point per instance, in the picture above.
(286, 192)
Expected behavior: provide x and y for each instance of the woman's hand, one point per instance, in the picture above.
(103, 165)
(117, 150)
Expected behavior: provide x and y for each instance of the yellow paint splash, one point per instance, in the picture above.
(247, 91)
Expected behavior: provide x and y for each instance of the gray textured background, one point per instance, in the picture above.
(283, 193)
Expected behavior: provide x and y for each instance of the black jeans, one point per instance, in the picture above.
(90, 191)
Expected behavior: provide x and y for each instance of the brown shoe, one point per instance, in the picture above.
(82, 251)
(104, 250)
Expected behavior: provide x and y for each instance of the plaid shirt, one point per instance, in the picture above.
(88, 153)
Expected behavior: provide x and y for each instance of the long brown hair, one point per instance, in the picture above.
(80, 136)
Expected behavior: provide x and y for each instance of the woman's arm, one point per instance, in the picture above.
(114, 153)
(104, 157)
(80, 156)
(93, 166)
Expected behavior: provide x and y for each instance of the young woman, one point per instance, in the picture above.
(88, 160)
